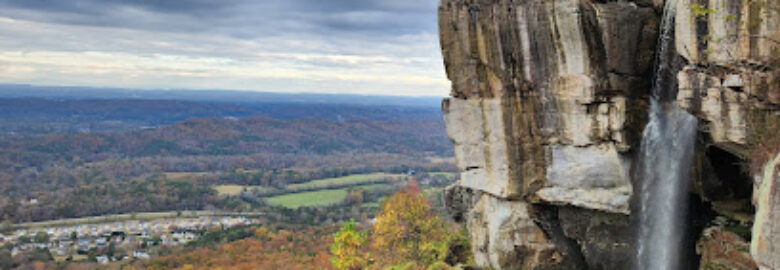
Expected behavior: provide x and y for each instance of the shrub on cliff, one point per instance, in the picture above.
(407, 235)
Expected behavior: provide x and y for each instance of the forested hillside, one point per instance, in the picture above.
(61, 174)
(211, 136)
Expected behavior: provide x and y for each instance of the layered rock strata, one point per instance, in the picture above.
(548, 102)
(548, 98)
(765, 243)
(539, 87)
(732, 51)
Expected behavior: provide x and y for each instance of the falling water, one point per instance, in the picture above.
(665, 160)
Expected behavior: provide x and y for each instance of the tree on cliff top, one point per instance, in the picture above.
(409, 231)
(408, 234)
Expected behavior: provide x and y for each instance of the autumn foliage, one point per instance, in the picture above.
(407, 230)
(346, 248)
(407, 235)
(283, 249)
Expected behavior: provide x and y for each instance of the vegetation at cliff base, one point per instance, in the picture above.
(407, 235)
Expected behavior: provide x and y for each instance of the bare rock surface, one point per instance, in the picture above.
(548, 102)
(732, 51)
(529, 76)
(504, 236)
(765, 243)
(548, 98)
(592, 177)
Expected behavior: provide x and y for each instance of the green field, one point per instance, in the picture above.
(315, 198)
(372, 205)
(351, 180)
(355, 179)
(448, 175)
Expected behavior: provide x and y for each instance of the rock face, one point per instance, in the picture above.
(600, 236)
(505, 235)
(727, 32)
(548, 99)
(731, 83)
(592, 177)
(765, 245)
(548, 102)
(732, 49)
(536, 81)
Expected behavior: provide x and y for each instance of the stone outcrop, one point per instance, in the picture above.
(732, 49)
(733, 103)
(548, 102)
(591, 177)
(724, 32)
(536, 81)
(765, 245)
(505, 235)
(600, 236)
(548, 99)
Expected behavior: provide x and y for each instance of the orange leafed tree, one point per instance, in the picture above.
(300, 249)
(407, 230)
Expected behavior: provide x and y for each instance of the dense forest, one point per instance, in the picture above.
(62, 173)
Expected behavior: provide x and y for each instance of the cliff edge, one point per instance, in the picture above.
(548, 103)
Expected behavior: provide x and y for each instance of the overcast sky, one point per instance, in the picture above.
(328, 46)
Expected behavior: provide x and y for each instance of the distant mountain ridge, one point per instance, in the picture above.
(230, 96)
(47, 115)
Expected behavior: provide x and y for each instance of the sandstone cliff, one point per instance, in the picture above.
(730, 82)
(549, 99)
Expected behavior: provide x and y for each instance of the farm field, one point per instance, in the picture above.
(355, 179)
(232, 190)
(448, 175)
(327, 183)
(315, 198)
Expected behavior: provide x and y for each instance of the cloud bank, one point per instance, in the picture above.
(335, 46)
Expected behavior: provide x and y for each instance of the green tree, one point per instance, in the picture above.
(6, 261)
(346, 248)
(24, 239)
(41, 237)
(156, 240)
(41, 254)
(6, 226)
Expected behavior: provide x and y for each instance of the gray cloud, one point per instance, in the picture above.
(239, 18)
(359, 46)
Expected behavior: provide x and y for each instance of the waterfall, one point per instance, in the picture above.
(665, 158)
